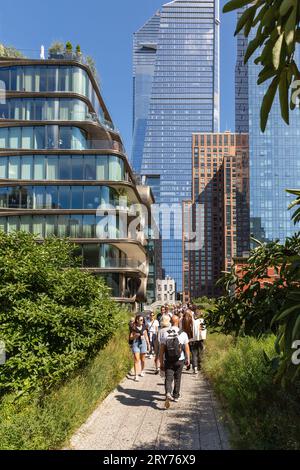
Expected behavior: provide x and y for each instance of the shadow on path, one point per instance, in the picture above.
(135, 397)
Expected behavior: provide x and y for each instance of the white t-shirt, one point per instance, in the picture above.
(152, 326)
(182, 337)
(198, 332)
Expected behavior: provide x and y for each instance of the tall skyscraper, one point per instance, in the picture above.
(184, 99)
(274, 154)
(144, 58)
(219, 211)
(241, 85)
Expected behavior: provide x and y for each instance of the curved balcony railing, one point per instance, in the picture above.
(69, 116)
(108, 263)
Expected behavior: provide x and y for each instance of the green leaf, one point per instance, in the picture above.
(285, 6)
(287, 312)
(252, 46)
(248, 14)
(276, 52)
(289, 30)
(296, 329)
(235, 4)
(265, 74)
(267, 103)
(284, 96)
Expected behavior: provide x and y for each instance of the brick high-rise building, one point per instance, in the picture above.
(218, 213)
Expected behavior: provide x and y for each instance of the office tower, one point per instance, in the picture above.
(144, 57)
(184, 99)
(241, 85)
(218, 213)
(61, 161)
(274, 154)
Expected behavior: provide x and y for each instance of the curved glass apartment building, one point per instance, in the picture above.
(61, 160)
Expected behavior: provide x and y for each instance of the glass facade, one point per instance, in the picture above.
(69, 225)
(274, 161)
(63, 167)
(59, 197)
(54, 177)
(44, 79)
(144, 58)
(184, 99)
(241, 84)
(43, 137)
(46, 109)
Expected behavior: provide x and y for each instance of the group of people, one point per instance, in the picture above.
(175, 337)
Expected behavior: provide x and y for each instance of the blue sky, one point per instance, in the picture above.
(104, 30)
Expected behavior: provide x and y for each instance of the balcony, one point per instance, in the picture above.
(127, 263)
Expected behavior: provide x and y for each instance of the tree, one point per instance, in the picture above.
(276, 28)
(53, 316)
(56, 47)
(9, 51)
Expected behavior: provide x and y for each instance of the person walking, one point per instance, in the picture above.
(140, 345)
(161, 313)
(187, 326)
(174, 350)
(152, 329)
(197, 342)
(164, 325)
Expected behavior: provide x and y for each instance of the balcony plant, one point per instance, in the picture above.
(56, 50)
(9, 51)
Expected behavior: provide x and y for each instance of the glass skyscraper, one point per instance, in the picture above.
(274, 154)
(144, 58)
(184, 99)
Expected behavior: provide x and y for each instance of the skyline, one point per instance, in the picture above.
(116, 86)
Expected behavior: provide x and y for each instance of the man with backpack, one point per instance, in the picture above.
(174, 352)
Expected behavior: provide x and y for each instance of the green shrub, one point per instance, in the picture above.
(53, 316)
(265, 415)
(38, 421)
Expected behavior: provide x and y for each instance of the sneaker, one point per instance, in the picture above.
(142, 374)
(136, 379)
(196, 370)
(150, 356)
(177, 398)
(167, 402)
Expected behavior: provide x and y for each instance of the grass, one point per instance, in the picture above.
(48, 422)
(263, 416)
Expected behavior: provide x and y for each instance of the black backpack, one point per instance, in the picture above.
(173, 346)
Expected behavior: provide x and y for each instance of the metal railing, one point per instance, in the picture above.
(123, 263)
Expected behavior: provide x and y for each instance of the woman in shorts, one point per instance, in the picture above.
(140, 345)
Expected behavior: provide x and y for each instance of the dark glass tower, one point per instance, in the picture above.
(273, 155)
(184, 99)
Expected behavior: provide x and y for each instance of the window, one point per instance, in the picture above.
(77, 167)
(26, 168)
(90, 168)
(90, 255)
(77, 197)
(39, 167)
(65, 167)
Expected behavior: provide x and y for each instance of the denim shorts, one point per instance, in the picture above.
(139, 346)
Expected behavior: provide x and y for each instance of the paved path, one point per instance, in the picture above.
(133, 417)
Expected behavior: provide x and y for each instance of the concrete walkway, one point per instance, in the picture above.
(133, 417)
